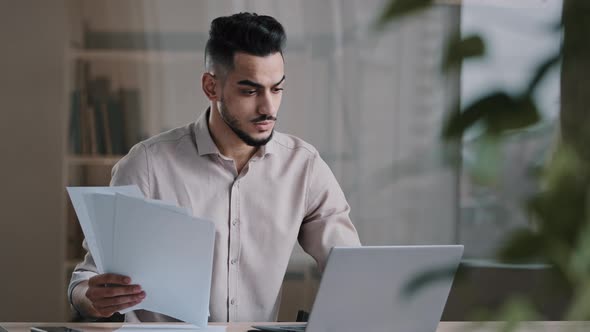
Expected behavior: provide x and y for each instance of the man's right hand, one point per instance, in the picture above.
(105, 294)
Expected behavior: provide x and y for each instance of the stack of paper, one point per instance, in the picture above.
(159, 246)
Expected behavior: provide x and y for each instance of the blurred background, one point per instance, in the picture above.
(81, 81)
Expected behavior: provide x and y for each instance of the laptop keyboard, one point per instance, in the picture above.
(293, 328)
(281, 328)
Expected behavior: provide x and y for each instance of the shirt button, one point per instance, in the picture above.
(235, 222)
(233, 261)
(232, 302)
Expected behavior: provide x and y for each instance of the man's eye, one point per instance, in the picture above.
(277, 90)
(249, 92)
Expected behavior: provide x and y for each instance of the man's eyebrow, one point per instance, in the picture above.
(250, 83)
(258, 85)
(281, 81)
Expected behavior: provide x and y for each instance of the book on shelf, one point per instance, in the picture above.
(131, 119)
(116, 123)
(99, 90)
(102, 121)
(91, 130)
(75, 137)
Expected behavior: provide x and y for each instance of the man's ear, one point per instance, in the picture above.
(208, 84)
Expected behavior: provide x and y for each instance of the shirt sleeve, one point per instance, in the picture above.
(131, 169)
(327, 223)
(83, 271)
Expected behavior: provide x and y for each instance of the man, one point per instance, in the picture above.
(263, 190)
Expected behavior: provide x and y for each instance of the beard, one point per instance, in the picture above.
(234, 125)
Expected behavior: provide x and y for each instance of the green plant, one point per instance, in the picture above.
(560, 211)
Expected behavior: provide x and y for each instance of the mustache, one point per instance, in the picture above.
(264, 118)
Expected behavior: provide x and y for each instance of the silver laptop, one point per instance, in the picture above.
(375, 289)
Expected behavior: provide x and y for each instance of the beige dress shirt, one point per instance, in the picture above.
(285, 193)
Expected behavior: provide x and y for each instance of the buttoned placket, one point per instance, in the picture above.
(234, 247)
(234, 241)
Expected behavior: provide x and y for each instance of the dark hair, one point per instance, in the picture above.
(250, 33)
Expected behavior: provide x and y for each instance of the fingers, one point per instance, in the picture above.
(107, 308)
(110, 293)
(108, 278)
(97, 293)
(118, 301)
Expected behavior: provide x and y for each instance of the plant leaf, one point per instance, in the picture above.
(580, 305)
(499, 112)
(579, 264)
(561, 211)
(398, 8)
(459, 122)
(541, 71)
(485, 168)
(459, 50)
(522, 246)
(516, 310)
(511, 113)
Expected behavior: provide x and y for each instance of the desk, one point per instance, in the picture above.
(243, 327)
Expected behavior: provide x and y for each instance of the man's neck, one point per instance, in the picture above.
(228, 143)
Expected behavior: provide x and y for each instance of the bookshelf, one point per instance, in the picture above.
(115, 86)
(103, 122)
(105, 117)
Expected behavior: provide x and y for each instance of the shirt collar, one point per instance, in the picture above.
(264, 150)
(206, 145)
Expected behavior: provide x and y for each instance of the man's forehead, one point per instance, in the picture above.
(265, 70)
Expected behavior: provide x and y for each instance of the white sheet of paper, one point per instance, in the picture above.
(76, 195)
(169, 254)
(169, 328)
(101, 210)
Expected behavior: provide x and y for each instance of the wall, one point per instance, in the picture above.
(31, 142)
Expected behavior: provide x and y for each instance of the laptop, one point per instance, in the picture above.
(370, 289)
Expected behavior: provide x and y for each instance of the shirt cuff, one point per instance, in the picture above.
(77, 278)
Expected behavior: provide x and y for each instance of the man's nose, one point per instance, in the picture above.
(267, 105)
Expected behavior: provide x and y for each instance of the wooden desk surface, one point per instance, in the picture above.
(243, 327)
